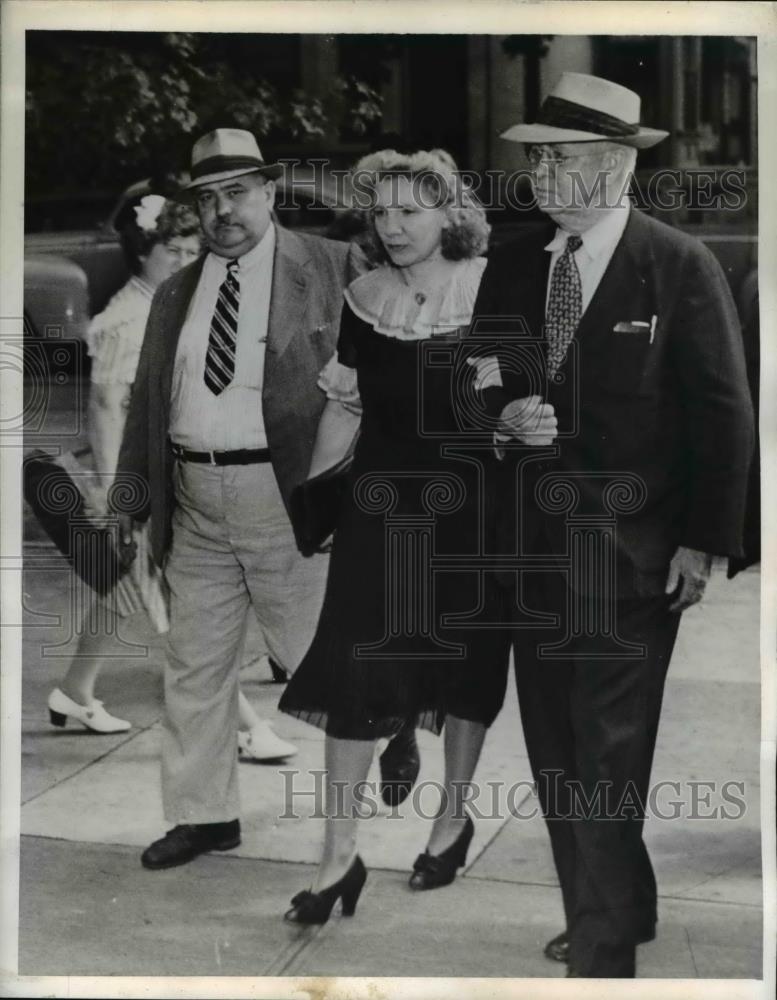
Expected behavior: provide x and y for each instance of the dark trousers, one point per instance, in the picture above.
(590, 726)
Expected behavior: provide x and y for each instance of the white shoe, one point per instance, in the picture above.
(261, 743)
(94, 716)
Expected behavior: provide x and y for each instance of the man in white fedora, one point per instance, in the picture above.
(222, 420)
(638, 436)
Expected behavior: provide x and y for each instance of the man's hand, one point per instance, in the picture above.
(127, 547)
(691, 569)
(529, 420)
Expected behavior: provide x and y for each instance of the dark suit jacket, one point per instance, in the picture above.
(674, 412)
(309, 274)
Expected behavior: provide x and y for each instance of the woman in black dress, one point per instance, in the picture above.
(386, 654)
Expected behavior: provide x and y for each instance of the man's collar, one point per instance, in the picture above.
(604, 233)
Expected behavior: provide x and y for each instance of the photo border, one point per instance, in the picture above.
(585, 17)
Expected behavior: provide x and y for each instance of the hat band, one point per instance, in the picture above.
(566, 114)
(217, 164)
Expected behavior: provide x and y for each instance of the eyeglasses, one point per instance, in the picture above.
(544, 154)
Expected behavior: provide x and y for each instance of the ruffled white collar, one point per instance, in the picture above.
(383, 299)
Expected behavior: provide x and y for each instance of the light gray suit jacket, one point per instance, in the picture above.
(309, 275)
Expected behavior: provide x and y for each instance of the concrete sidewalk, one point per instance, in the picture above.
(90, 803)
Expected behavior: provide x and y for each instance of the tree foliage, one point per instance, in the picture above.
(106, 108)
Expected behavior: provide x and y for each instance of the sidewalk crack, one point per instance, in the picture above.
(137, 731)
(494, 836)
(690, 952)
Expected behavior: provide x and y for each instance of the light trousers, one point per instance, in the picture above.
(233, 549)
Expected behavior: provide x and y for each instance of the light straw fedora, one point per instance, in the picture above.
(226, 153)
(583, 108)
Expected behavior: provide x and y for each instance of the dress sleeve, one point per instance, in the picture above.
(346, 344)
(339, 383)
(338, 378)
(487, 373)
(114, 340)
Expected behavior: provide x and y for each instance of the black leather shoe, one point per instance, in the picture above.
(557, 950)
(399, 766)
(183, 843)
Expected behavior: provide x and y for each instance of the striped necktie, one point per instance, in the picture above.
(565, 305)
(222, 342)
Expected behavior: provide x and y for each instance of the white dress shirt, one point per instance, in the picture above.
(592, 258)
(232, 420)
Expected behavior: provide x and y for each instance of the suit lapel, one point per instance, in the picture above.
(288, 299)
(178, 300)
(511, 298)
(625, 271)
(524, 279)
(534, 286)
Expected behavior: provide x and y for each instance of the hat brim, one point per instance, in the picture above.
(270, 170)
(542, 134)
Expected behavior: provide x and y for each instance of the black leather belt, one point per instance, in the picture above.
(245, 456)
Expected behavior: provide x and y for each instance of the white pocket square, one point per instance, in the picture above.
(633, 326)
(637, 326)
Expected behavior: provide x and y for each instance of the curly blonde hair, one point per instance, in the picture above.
(435, 170)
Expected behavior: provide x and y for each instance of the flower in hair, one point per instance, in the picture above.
(147, 212)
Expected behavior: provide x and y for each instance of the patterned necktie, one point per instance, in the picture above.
(222, 342)
(565, 305)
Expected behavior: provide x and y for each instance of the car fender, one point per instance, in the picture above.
(56, 296)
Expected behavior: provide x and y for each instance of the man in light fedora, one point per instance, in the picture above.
(635, 441)
(222, 420)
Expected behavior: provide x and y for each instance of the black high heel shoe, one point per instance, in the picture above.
(315, 907)
(400, 763)
(431, 871)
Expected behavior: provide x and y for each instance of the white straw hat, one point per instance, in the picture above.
(226, 153)
(583, 108)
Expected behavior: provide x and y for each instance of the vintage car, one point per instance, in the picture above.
(73, 263)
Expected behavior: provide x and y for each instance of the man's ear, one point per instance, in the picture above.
(269, 190)
(612, 159)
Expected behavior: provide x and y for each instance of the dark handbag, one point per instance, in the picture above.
(59, 506)
(316, 505)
